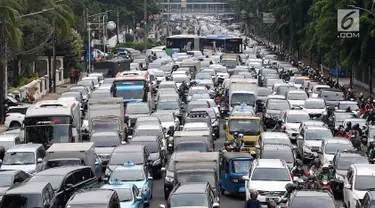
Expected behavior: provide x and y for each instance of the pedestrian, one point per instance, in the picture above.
(72, 75)
(253, 201)
(77, 76)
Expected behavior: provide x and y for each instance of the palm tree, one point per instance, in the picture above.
(9, 11)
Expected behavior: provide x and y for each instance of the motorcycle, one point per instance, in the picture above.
(228, 147)
(299, 182)
(326, 185)
(276, 203)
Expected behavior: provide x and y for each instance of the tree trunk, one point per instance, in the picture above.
(3, 58)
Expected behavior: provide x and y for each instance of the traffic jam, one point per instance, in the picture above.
(205, 121)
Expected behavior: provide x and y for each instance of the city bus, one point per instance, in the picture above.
(132, 86)
(183, 43)
(222, 43)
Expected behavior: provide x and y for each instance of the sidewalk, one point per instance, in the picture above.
(342, 80)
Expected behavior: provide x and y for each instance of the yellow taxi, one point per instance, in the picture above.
(248, 125)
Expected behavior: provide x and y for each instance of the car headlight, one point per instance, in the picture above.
(144, 188)
(339, 177)
(156, 162)
(215, 123)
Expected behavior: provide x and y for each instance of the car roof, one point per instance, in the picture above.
(105, 133)
(296, 112)
(93, 196)
(314, 99)
(278, 147)
(8, 172)
(193, 188)
(7, 137)
(337, 140)
(149, 126)
(269, 163)
(60, 171)
(129, 148)
(28, 188)
(312, 123)
(312, 193)
(136, 104)
(274, 135)
(24, 147)
(196, 124)
(316, 128)
(365, 169)
(296, 91)
(144, 139)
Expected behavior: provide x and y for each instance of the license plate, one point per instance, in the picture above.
(270, 199)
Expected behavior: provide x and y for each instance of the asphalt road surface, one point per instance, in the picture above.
(226, 201)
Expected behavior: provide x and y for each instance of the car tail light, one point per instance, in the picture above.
(6, 115)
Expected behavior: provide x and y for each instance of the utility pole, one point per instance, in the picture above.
(118, 26)
(168, 17)
(54, 59)
(104, 30)
(145, 29)
(89, 47)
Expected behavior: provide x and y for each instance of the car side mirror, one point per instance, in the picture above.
(1, 161)
(257, 146)
(161, 206)
(39, 160)
(348, 186)
(163, 169)
(246, 178)
(138, 198)
(97, 162)
(216, 205)
(320, 152)
(150, 178)
(300, 137)
(68, 186)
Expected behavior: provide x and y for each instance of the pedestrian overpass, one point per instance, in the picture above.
(198, 7)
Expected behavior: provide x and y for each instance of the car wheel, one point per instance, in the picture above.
(166, 195)
(15, 124)
(222, 191)
(217, 135)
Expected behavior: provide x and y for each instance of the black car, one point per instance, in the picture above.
(9, 178)
(30, 194)
(341, 163)
(66, 181)
(368, 201)
(311, 199)
(272, 111)
(156, 150)
(332, 97)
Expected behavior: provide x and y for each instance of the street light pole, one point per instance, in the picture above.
(89, 46)
(145, 29)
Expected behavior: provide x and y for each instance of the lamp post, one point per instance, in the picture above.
(371, 12)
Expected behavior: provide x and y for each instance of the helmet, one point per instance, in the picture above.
(349, 124)
(183, 82)
(317, 162)
(253, 193)
(208, 87)
(235, 134)
(289, 187)
(240, 136)
(126, 116)
(253, 154)
(325, 168)
(299, 163)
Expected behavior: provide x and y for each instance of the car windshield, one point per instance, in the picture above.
(313, 202)
(203, 76)
(344, 106)
(192, 106)
(271, 82)
(341, 117)
(137, 109)
(297, 118)
(122, 157)
(297, 96)
(332, 148)
(105, 125)
(180, 79)
(283, 155)
(314, 105)
(200, 96)
(276, 104)
(299, 81)
(82, 90)
(168, 106)
(229, 63)
(6, 180)
(187, 147)
(165, 117)
(332, 95)
(188, 200)
(241, 166)
(64, 162)
(54, 180)
(264, 92)
(128, 175)
(21, 200)
(152, 147)
(247, 127)
(196, 177)
(345, 162)
(19, 158)
(318, 89)
(243, 98)
(270, 174)
(124, 194)
(100, 95)
(105, 141)
(148, 132)
(283, 90)
(364, 182)
(318, 134)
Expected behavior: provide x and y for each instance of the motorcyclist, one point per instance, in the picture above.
(171, 131)
(253, 201)
(316, 168)
(298, 171)
(278, 126)
(349, 110)
(341, 131)
(253, 155)
(371, 148)
(357, 128)
(325, 174)
(348, 127)
(289, 190)
(183, 87)
(237, 143)
(312, 184)
(193, 83)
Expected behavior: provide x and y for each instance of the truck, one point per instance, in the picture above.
(104, 115)
(242, 93)
(72, 154)
(52, 121)
(198, 167)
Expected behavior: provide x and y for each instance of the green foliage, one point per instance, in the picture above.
(71, 48)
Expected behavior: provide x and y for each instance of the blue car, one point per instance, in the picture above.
(128, 194)
(137, 175)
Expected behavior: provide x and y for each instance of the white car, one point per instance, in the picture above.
(316, 89)
(292, 120)
(315, 107)
(310, 143)
(15, 116)
(359, 179)
(297, 97)
(269, 177)
(331, 146)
